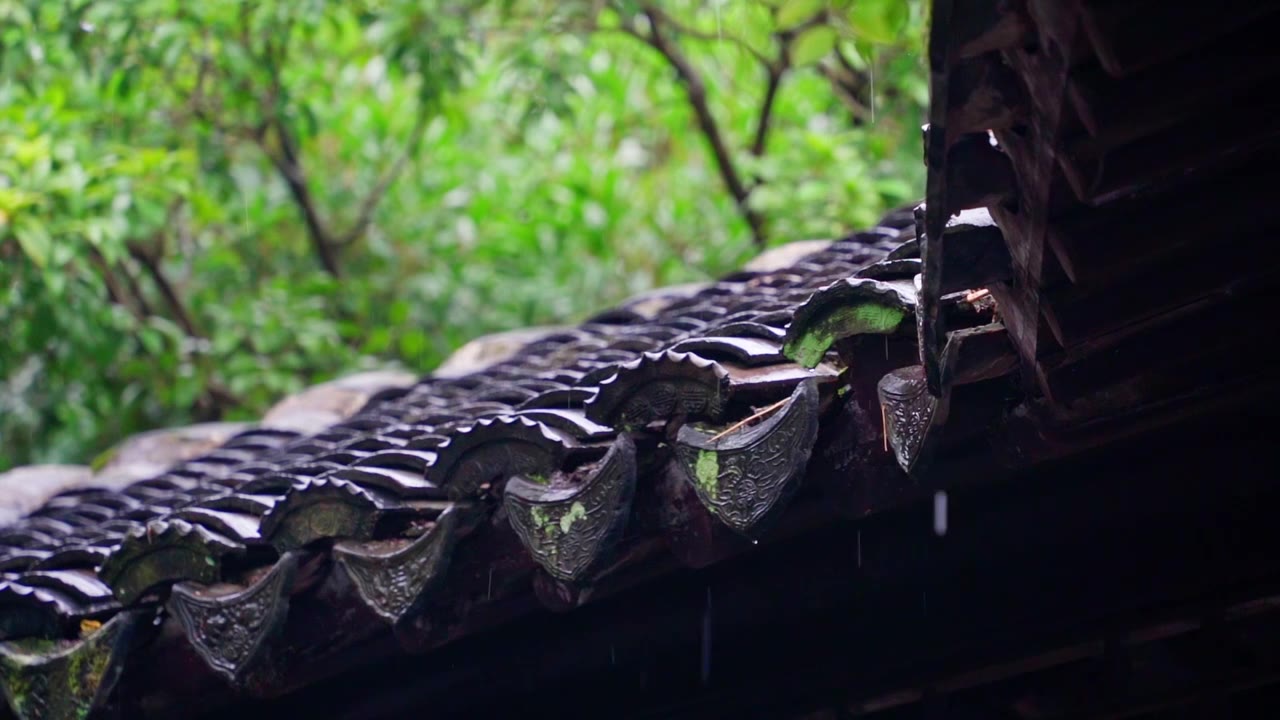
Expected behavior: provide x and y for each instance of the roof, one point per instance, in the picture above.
(1120, 173)
(1074, 308)
(542, 454)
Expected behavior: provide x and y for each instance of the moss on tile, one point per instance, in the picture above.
(576, 512)
(54, 678)
(539, 517)
(864, 318)
(707, 472)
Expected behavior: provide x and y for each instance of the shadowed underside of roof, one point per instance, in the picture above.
(1050, 298)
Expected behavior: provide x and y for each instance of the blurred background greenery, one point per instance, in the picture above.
(207, 205)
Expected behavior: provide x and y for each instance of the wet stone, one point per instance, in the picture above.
(148, 454)
(321, 406)
(784, 256)
(24, 489)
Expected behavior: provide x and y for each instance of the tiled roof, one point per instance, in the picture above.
(1088, 266)
(548, 448)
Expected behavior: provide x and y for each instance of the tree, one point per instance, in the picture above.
(204, 206)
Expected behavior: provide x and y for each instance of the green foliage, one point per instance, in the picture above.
(205, 206)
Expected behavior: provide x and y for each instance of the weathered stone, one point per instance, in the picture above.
(320, 406)
(490, 349)
(24, 489)
(650, 303)
(784, 256)
(148, 454)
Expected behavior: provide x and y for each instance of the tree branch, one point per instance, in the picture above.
(114, 293)
(152, 267)
(129, 295)
(370, 204)
(285, 152)
(289, 164)
(217, 399)
(201, 108)
(135, 290)
(326, 241)
(696, 91)
(214, 398)
(696, 34)
(288, 160)
(860, 113)
(851, 85)
(776, 72)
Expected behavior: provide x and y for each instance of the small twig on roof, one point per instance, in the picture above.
(884, 427)
(758, 414)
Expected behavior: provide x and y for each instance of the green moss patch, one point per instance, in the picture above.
(865, 318)
(707, 472)
(576, 512)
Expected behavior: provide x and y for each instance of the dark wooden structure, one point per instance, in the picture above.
(1004, 456)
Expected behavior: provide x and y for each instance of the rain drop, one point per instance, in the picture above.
(940, 513)
(706, 640)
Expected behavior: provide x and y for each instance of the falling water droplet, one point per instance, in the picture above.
(940, 513)
(872, 76)
(706, 640)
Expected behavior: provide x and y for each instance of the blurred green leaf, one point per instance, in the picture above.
(880, 21)
(791, 13)
(34, 239)
(813, 44)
